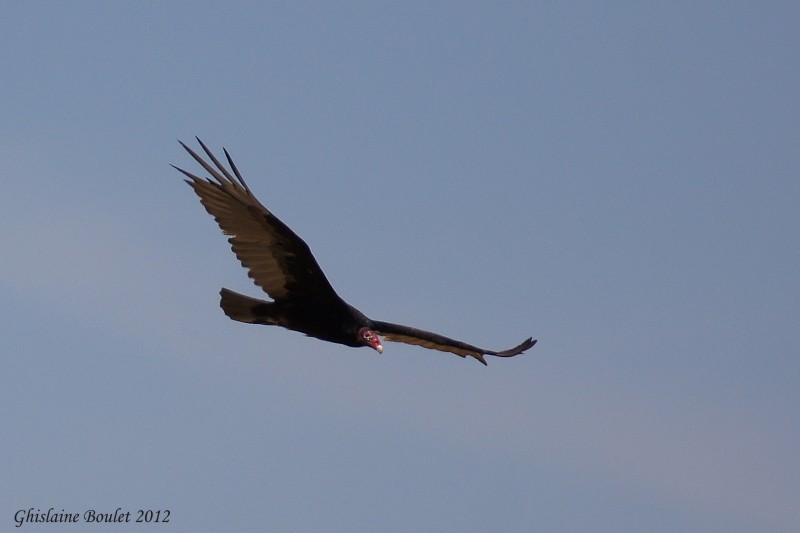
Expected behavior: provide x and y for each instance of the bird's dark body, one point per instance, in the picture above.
(332, 321)
(282, 264)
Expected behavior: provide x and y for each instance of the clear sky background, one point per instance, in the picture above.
(619, 180)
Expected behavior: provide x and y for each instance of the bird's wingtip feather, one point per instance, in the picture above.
(525, 345)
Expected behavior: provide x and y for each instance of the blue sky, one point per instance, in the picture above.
(619, 181)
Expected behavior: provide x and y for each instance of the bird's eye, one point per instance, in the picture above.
(367, 336)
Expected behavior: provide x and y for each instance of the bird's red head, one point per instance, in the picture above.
(371, 339)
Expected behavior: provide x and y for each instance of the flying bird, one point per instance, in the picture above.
(282, 264)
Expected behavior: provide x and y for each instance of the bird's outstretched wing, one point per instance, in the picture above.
(434, 341)
(276, 259)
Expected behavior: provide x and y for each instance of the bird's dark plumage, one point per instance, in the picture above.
(282, 264)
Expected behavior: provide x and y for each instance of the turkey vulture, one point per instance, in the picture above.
(281, 264)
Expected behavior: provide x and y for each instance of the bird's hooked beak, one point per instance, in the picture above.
(375, 344)
(371, 339)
